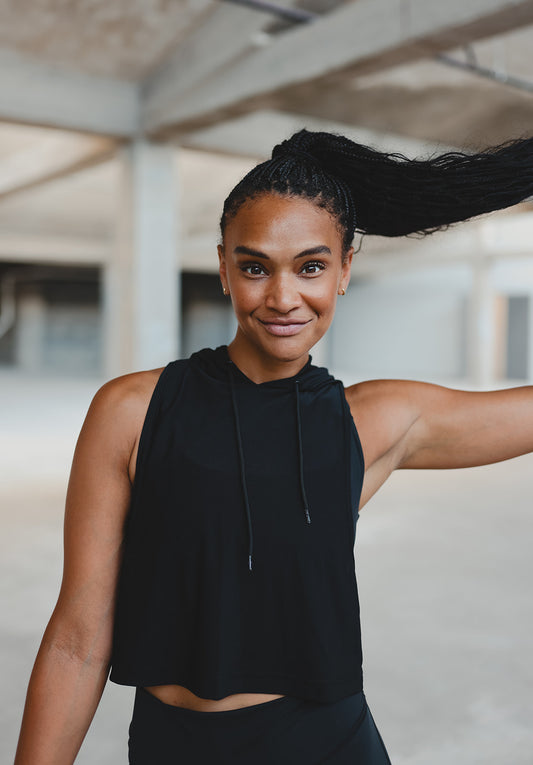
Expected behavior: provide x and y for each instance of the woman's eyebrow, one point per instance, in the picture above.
(320, 249)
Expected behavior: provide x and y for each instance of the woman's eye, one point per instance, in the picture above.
(313, 267)
(255, 269)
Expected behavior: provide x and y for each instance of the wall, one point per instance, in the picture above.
(410, 325)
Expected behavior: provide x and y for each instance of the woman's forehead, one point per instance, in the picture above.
(276, 215)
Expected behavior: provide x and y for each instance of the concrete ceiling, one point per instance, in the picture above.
(173, 67)
(90, 197)
(123, 38)
(430, 100)
(215, 76)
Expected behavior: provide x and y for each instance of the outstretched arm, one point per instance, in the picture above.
(456, 428)
(71, 667)
(408, 424)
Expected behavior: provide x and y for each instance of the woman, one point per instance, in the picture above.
(212, 503)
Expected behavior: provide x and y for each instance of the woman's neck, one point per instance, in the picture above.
(261, 367)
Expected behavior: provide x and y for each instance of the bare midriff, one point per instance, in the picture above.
(178, 696)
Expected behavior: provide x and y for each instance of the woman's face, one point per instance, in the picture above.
(282, 263)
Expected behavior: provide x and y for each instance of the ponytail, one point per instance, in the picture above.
(388, 194)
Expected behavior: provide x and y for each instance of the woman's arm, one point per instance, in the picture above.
(72, 664)
(407, 424)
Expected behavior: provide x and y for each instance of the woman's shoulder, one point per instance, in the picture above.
(382, 391)
(119, 406)
(129, 391)
(122, 401)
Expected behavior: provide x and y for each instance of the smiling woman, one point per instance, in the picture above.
(212, 503)
(284, 298)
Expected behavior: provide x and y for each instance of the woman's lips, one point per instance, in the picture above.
(283, 329)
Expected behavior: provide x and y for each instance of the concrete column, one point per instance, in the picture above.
(481, 330)
(141, 281)
(30, 328)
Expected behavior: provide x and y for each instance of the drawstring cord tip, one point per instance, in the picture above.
(307, 515)
(249, 562)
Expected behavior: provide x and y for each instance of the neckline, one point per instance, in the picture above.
(276, 382)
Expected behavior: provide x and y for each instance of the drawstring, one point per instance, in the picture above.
(241, 459)
(300, 452)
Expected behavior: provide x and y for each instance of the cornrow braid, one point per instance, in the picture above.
(388, 194)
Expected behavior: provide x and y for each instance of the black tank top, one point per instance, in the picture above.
(238, 570)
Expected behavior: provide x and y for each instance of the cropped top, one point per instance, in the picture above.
(238, 569)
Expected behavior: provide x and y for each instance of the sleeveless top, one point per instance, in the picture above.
(238, 570)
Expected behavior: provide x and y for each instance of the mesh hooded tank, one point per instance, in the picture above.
(238, 570)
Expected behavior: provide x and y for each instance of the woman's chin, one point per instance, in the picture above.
(276, 348)
(286, 349)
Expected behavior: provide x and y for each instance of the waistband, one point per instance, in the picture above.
(279, 705)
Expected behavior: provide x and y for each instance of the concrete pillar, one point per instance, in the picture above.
(481, 331)
(141, 281)
(30, 328)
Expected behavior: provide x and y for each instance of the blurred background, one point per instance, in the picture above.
(123, 126)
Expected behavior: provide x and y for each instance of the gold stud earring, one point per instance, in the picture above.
(225, 291)
(342, 292)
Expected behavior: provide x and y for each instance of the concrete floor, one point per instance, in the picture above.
(445, 574)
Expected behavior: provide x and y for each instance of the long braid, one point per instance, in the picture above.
(388, 194)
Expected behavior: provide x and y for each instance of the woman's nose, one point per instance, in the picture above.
(283, 294)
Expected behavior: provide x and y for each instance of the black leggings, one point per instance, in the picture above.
(282, 731)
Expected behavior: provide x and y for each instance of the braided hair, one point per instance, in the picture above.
(388, 194)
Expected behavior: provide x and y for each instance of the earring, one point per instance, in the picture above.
(342, 292)
(225, 291)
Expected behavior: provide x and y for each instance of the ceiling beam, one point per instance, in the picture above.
(52, 155)
(223, 37)
(254, 135)
(349, 41)
(24, 247)
(34, 93)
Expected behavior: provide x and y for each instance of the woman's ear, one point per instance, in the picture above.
(349, 256)
(346, 267)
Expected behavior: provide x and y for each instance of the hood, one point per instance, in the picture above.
(216, 363)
